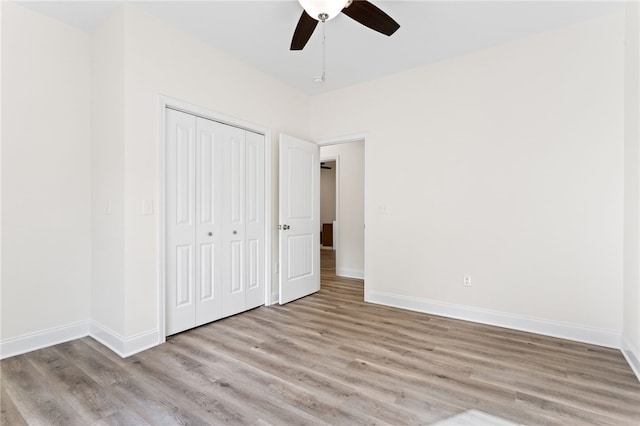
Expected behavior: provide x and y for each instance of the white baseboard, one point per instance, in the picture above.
(350, 273)
(123, 346)
(574, 332)
(632, 355)
(42, 339)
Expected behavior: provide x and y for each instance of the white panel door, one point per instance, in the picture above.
(299, 218)
(208, 231)
(233, 217)
(255, 221)
(180, 222)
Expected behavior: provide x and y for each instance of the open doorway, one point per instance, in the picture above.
(342, 221)
(328, 203)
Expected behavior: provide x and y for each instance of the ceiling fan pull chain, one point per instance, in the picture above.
(321, 79)
(324, 51)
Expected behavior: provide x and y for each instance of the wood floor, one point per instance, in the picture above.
(325, 359)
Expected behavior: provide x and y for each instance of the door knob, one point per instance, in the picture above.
(235, 232)
(285, 227)
(210, 234)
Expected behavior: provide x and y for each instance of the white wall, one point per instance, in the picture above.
(107, 173)
(160, 60)
(46, 197)
(631, 313)
(505, 164)
(328, 194)
(350, 182)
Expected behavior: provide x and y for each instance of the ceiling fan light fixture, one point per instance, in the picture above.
(322, 10)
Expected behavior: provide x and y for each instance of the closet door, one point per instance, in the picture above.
(255, 224)
(215, 227)
(208, 231)
(180, 221)
(233, 220)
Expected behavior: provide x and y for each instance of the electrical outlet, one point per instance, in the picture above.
(467, 281)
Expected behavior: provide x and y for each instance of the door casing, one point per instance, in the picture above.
(342, 140)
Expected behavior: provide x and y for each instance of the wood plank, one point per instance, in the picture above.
(33, 397)
(9, 413)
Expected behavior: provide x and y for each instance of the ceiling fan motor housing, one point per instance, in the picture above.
(323, 10)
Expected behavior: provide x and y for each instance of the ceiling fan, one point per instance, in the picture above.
(361, 11)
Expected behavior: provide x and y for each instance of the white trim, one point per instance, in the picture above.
(269, 226)
(354, 137)
(336, 231)
(337, 241)
(168, 102)
(562, 330)
(160, 251)
(123, 346)
(188, 108)
(631, 354)
(350, 273)
(42, 339)
(338, 140)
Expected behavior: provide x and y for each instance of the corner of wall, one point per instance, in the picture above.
(107, 172)
(631, 239)
(123, 346)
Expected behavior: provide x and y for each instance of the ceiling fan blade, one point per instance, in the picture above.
(371, 16)
(303, 31)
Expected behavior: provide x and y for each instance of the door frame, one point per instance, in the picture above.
(165, 102)
(338, 140)
(335, 158)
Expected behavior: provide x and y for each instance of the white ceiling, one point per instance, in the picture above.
(259, 32)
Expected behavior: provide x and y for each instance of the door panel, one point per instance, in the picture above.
(180, 221)
(209, 221)
(300, 256)
(253, 251)
(184, 276)
(233, 258)
(255, 221)
(299, 208)
(184, 147)
(207, 273)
